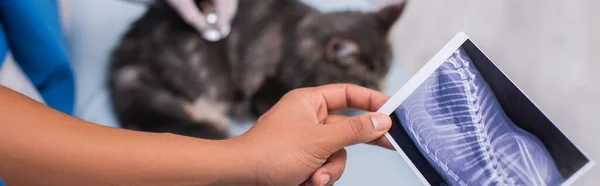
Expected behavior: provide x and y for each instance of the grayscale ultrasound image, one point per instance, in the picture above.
(458, 125)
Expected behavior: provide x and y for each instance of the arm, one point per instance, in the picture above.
(41, 145)
(296, 141)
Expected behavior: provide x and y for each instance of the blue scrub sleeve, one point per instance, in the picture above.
(34, 36)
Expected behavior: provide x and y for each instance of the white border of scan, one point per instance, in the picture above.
(421, 76)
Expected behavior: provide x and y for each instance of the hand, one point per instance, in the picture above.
(191, 13)
(299, 142)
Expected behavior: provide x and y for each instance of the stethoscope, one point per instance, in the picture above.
(211, 32)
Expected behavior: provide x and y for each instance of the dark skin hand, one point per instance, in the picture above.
(297, 142)
(300, 141)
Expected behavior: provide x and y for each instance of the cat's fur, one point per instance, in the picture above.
(166, 78)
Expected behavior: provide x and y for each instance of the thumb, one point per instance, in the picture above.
(357, 129)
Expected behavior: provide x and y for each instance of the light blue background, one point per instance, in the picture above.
(95, 27)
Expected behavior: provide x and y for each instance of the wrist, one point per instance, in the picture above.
(240, 162)
(179, 160)
(204, 162)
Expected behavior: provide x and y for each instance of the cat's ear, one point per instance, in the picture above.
(387, 16)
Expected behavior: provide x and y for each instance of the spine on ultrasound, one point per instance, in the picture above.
(469, 110)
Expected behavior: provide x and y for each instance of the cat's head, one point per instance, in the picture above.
(341, 47)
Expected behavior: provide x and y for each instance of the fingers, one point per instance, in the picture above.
(342, 96)
(226, 9)
(354, 130)
(331, 171)
(188, 10)
(382, 142)
(332, 118)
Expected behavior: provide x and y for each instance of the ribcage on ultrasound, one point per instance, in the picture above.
(461, 129)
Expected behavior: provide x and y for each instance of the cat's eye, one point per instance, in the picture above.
(338, 48)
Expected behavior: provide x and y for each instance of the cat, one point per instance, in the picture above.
(165, 78)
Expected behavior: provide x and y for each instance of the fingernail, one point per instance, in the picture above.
(325, 178)
(380, 121)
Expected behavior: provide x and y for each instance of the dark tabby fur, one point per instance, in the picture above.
(166, 78)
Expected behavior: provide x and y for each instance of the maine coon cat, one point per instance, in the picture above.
(165, 78)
